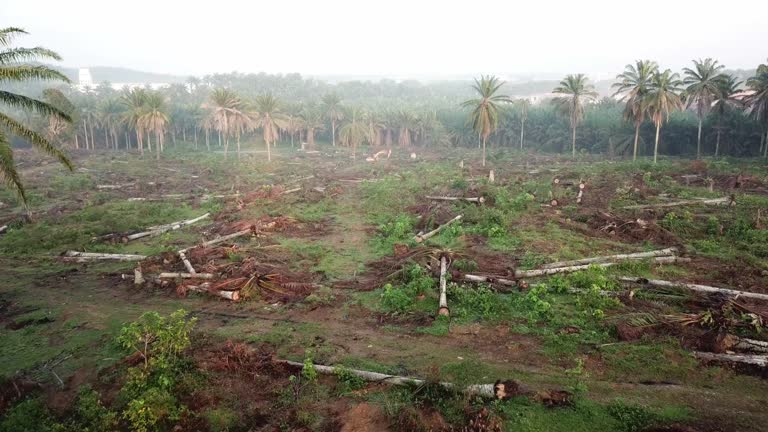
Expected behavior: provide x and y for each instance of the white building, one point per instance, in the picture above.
(85, 82)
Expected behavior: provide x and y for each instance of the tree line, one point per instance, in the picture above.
(651, 111)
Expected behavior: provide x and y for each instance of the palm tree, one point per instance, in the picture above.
(134, 101)
(333, 111)
(577, 91)
(663, 98)
(406, 122)
(12, 70)
(633, 85)
(702, 86)
(354, 131)
(226, 114)
(757, 102)
(270, 119)
(110, 114)
(56, 125)
(485, 110)
(727, 87)
(524, 105)
(312, 120)
(154, 119)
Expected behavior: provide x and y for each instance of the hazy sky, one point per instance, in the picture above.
(392, 37)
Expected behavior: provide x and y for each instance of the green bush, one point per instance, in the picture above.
(632, 418)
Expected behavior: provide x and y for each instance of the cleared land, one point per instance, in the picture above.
(328, 266)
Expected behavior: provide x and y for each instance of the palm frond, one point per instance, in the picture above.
(16, 55)
(8, 171)
(29, 104)
(34, 138)
(8, 34)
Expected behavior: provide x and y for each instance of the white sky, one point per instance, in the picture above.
(393, 37)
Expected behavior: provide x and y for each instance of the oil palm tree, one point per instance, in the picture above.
(312, 120)
(134, 102)
(227, 113)
(13, 70)
(524, 105)
(577, 91)
(333, 111)
(406, 123)
(56, 125)
(485, 107)
(354, 131)
(110, 114)
(728, 86)
(155, 119)
(662, 99)
(270, 119)
(702, 87)
(633, 86)
(757, 102)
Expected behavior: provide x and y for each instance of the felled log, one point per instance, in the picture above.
(750, 359)
(3, 229)
(187, 264)
(570, 269)
(447, 198)
(169, 275)
(489, 279)
(443, 310)
(420, 238)
(159, 229)
(92, 256)
(714, 201)
(483, 390)
(612, 258)
(219, 240)
(203, 288)
(118, 186)
(290, 191)
(695, 287)
(751, 345)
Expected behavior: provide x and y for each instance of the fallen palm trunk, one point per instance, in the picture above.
(421, 237)
(219, 240)
(751, 345)
(186, 262)
(714, 201)
(484, 390)
(549, 271)
(521, 274)
(91, 256)
(179, 196)
(447, 198)
(156, 230)
(612, 258)
(443, 310)
(203, 288)
(753, 359)
(3, 229)
(118, 186)
(169, 275)
(290, 191)
(695, 287)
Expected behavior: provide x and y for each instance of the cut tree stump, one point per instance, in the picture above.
(186, 262)
(421, 238)
(92, 256)
(695, 287)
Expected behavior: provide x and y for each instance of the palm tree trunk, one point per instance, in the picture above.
(85, 133)
(159, 144)
(106, 137)
(93, 141)
(219, 138)
(765, 146)
(522, 133)
(656, 145)
(637, 137)
(139, 142)
(238, 145)
(762, 143)
(573, 143)
(207, 139)
(698, 142)
(184, 134)
(717, 143)
(292, 133)
(77, 144)
(484, 138)
(226, 146)
(333, 132)
(195, 137)
(269, 152)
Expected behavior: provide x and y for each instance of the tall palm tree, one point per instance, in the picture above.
(577, 91)
(702, 86)
(727, 87)
(524, 104)
(56, 125)
(757, 102)
(662, 99)
(270, 119)
(13, 70)
(633, 86)
(110, 114)
(333, 111)
(312, 119)
(134, 101)
(354, 131)
(485, 108)
(227, 114)
(155, 119)
(406, 122)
